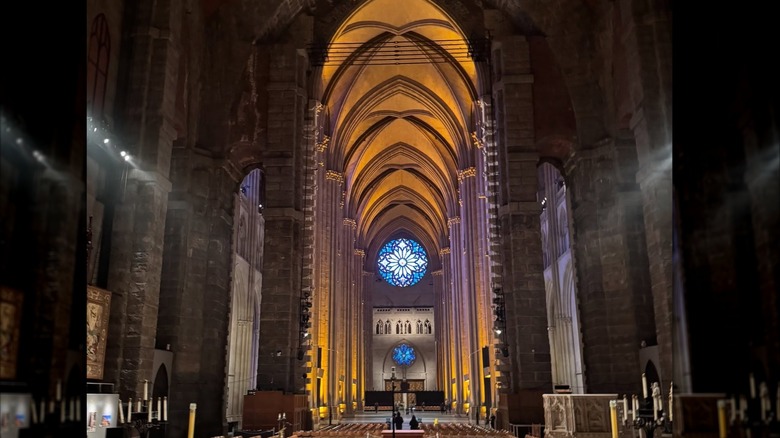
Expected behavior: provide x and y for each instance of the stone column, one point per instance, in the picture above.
(646, 33)
(138, 228)
(473, 289)
(278, 367)
(613, 279)
(459, 313)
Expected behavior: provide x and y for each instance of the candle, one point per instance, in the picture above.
(165, 409)
(742, 407)
(59, 389)
(138, 406)
(62, 412)
(752, 386)
(777, 401)
(149, 412)
(159, 410)
(33, 412)
(130, 409)
(625, 407)
(121, 413)
(146, 393)
(671, 391)
(613, 417)
(644, 385)
(733, 409)
(51, 406)
(43, 410)
(722, 418)
(72, 415)
(655, 408)
(78, 408)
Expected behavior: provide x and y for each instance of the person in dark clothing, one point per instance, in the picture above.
(376, 407)
(399, 421)
(492, 421)
(413, 424)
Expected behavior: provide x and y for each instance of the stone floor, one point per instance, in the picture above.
(426, 417)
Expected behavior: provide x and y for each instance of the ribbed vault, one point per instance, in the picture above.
(398, 85)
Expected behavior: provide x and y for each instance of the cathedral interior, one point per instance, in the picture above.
(299, 204)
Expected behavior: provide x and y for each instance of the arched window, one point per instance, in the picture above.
(388, 327)
(408, 328)
(428, 328)
(98, 58)
(379, 327)
(419, 327)
(398, 328)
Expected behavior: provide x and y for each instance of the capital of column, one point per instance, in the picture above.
(437, 273)
(445, 250)
(360, 252)
(453, 220)
(332, 175)
(350, 222)
(367, 274)
(476, 141)
(318, 107)
(322, 145)
(467, 173)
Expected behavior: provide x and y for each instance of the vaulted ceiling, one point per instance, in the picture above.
(399, 87)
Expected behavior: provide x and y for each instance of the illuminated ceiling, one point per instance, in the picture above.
(399, 88)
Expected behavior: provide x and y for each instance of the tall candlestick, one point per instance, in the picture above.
(121, 413)
(159, 408)
(752, 386)
(43, 410)
(72, 414)
(777, 401)
(733, 409)
(59, 389)
(165, 409)
(149, 412)
(671, 397)
(78, 408)
(62, 412)
(613, 417)
(655, 408)
(722, 418)
(51, 406)
(138, 406)
(625, 407)
(742, 407)
(635, 406)
(644, 385)
(33, 412)
(146, 393)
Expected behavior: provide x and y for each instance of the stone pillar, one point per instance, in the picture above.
(441, 330)
(459, 312)
(278, 367)
(138, 227)
(613, 280)
(361, 328)
(471, 262)
(646, 33)
(195, 289)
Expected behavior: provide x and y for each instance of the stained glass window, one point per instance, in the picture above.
(403, 355)
(402, 262)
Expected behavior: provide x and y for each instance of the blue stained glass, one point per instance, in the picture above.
(404, 355)
(402, 262)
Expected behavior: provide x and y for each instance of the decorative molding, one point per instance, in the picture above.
(361, 253)
(443, 251)
(467, 173)
(476, 141)
(453, 220)
(332, 175)
(322, 145)
(350, 222)
(439, 272)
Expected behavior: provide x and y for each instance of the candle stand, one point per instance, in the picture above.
(141, 422)
(644, 419)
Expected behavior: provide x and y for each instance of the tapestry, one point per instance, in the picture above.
(98, 309)
(10, 322)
